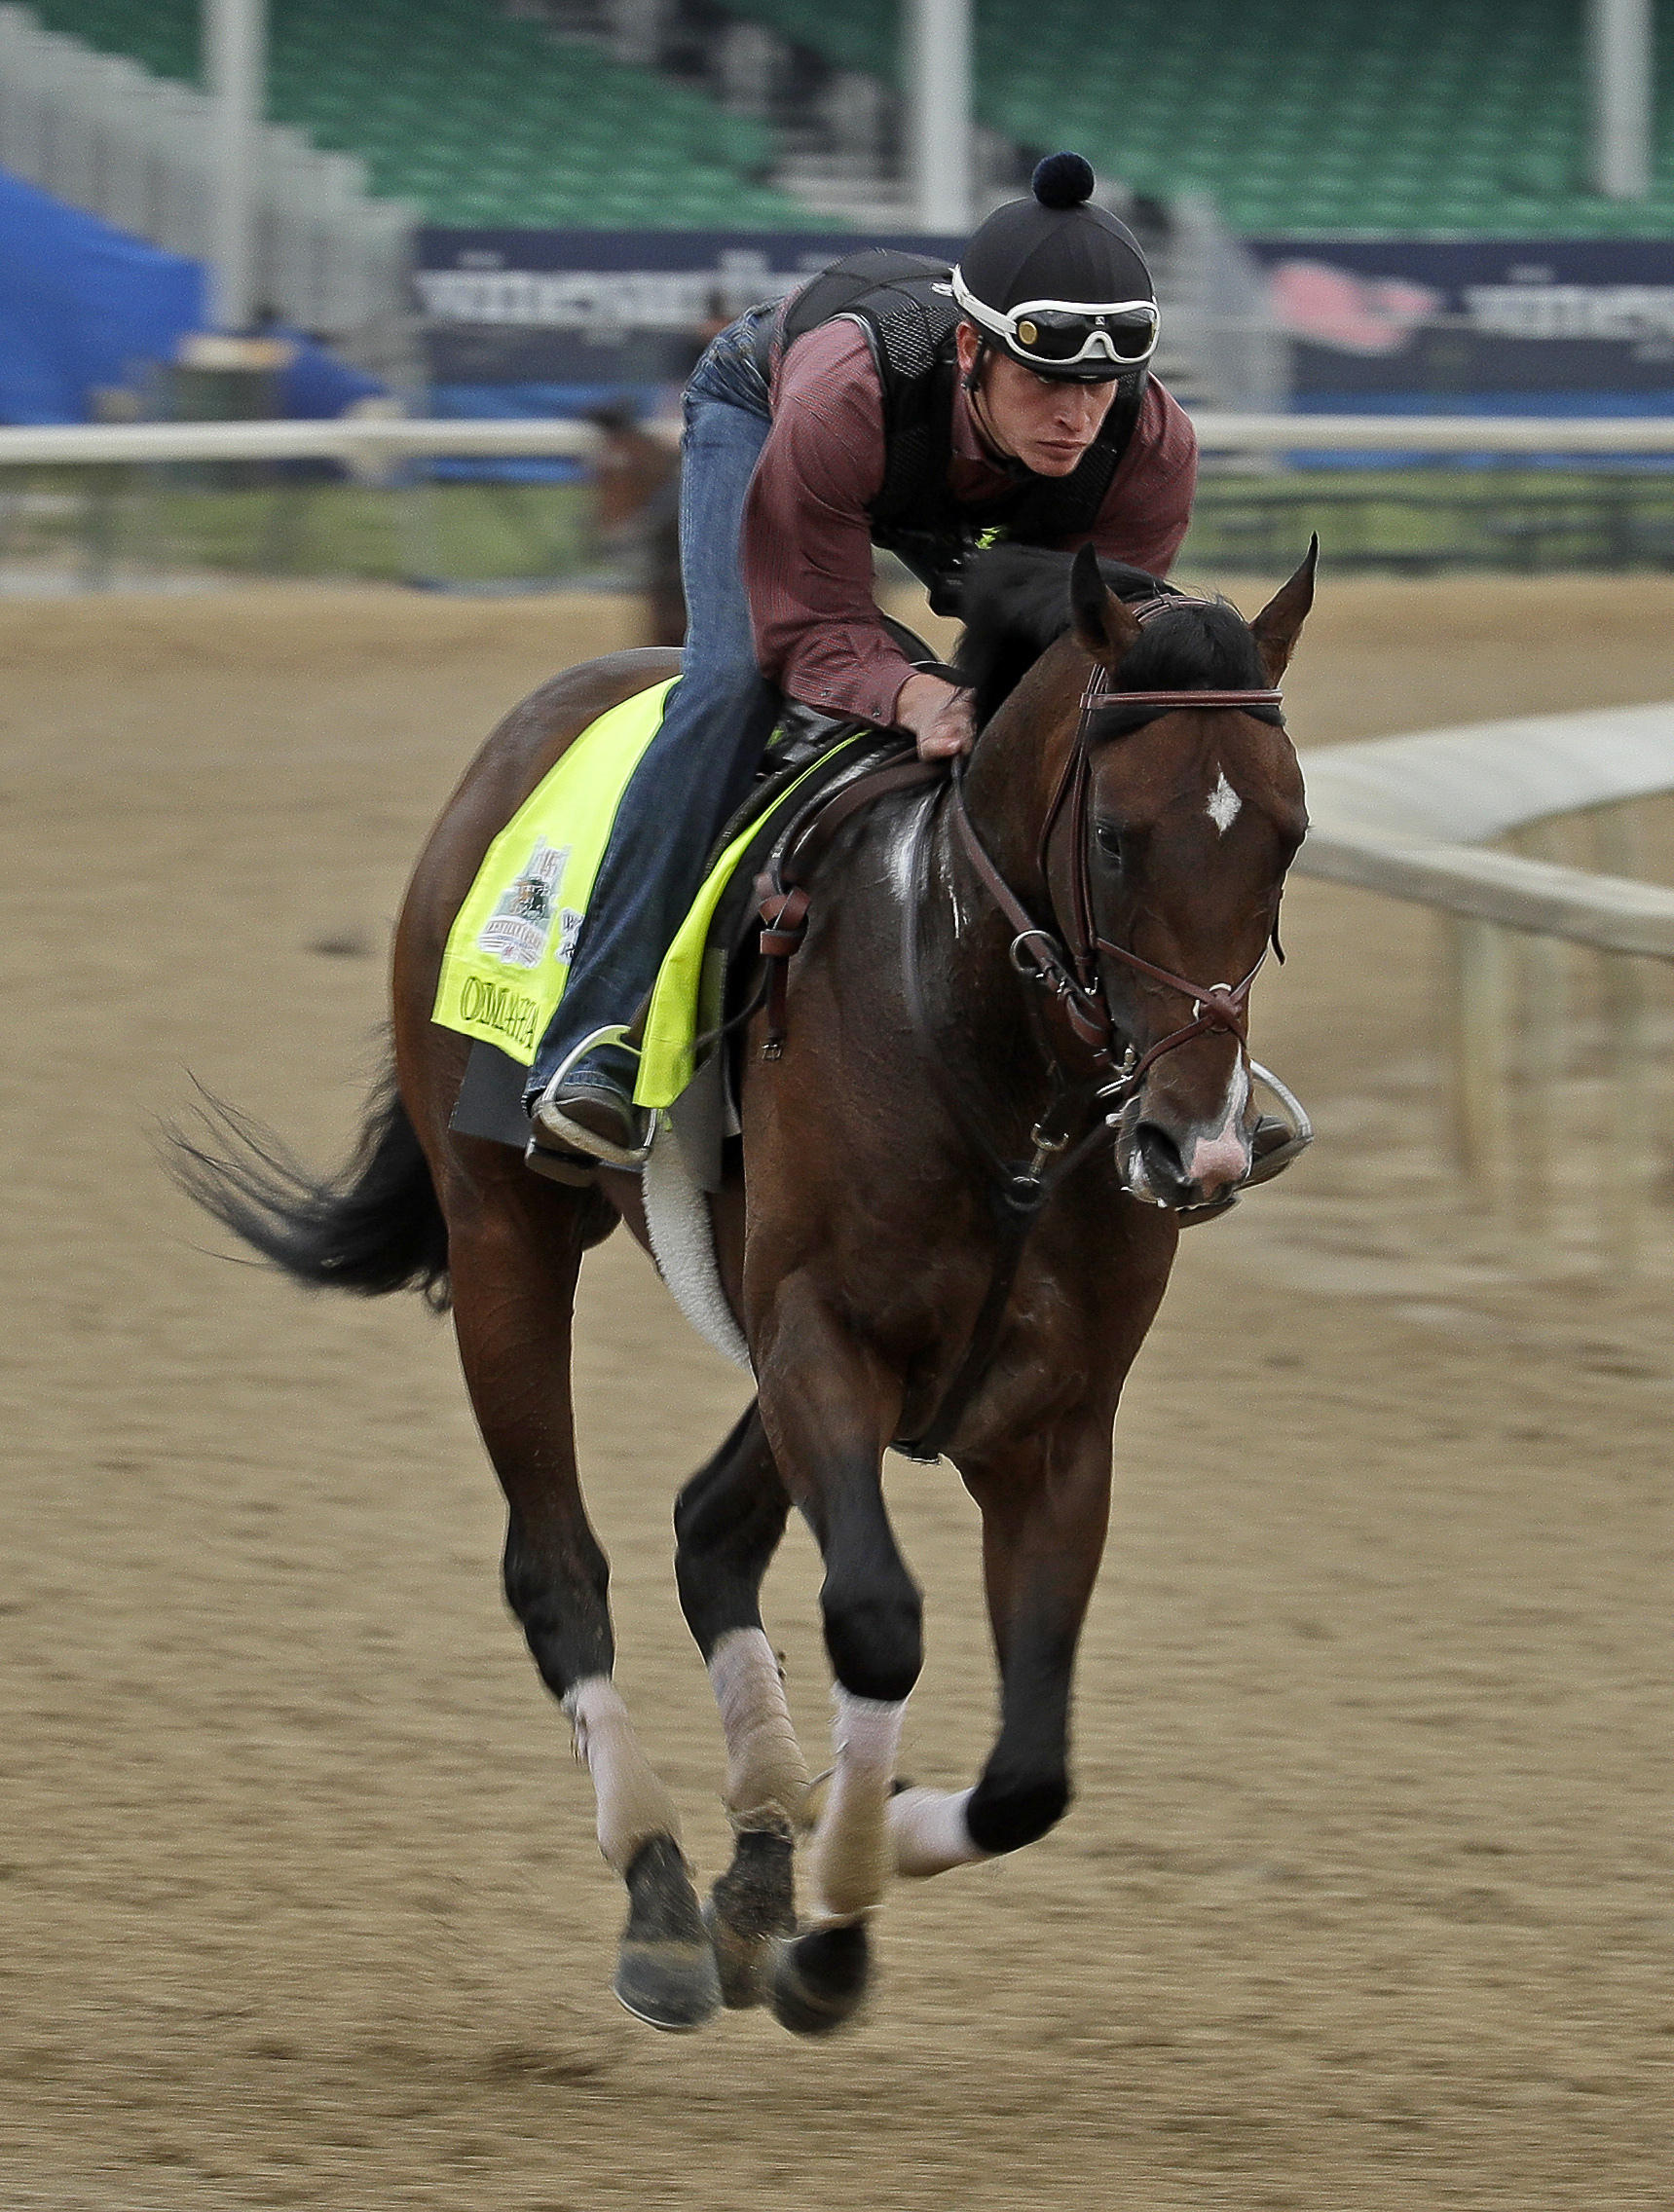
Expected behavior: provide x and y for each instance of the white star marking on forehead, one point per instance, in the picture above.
(1224, 805)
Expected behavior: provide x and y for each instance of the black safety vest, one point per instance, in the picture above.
(903, 303)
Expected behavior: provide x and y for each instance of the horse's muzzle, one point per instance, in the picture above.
(1210, 1173)
(1158, 1166)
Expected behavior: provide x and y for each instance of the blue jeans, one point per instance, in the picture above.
(701, 765)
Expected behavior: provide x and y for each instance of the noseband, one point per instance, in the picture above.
(1067, 965)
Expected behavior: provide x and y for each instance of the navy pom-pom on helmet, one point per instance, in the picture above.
(1063, 180)
(1058, 284)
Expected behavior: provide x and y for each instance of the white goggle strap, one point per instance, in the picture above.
(1096, 342)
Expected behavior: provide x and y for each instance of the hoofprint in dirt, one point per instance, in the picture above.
(1364, 1896)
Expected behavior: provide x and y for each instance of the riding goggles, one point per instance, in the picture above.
(1058, 337)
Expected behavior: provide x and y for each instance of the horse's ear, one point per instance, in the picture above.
(1103, 625)
(1278, 626)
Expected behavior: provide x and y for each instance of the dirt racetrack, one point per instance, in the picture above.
(1365, 1899)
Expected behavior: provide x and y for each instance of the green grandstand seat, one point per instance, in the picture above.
(461, 109)
(1294, 114)
(1299, 113)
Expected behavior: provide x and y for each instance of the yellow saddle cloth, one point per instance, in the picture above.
(508, 953)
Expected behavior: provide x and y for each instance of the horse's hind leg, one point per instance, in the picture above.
(516, 1247)
(728, 1524)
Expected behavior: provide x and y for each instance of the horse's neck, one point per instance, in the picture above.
(1017, 766)
(974, 1004)
(972, 1010)
(987, 1023)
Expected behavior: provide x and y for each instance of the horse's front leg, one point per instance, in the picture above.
(1046, 1506)
(827, 1406)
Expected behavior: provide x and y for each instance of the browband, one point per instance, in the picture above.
(1264, 705)
(1095, 700)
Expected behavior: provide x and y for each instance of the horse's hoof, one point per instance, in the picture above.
(665, 1969)
(819, 1979)
(751, 1907)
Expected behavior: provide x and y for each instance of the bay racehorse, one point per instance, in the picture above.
(1017, 1055)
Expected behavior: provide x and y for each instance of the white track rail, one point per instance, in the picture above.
(1217, 432)
(1439, 434)
(1400, 815)
(353, 438)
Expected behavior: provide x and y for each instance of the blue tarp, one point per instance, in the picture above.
(83, 305)
(314, 386)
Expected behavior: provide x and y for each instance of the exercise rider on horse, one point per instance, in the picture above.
(889, 402)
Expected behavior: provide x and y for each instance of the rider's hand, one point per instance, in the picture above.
(938, 714)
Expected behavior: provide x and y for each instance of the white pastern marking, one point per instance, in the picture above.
(1224, 805)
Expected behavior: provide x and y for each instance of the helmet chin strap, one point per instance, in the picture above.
(984, 422)
(1009, 462)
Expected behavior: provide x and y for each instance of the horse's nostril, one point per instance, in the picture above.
(1161, 1156)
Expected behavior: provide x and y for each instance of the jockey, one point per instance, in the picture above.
(889, 402)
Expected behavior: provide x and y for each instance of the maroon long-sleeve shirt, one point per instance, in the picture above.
(806, 539)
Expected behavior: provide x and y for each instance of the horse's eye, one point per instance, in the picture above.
(1109, 836)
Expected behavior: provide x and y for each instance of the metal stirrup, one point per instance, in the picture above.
(613, 1033)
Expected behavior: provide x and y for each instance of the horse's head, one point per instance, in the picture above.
(1165, 855)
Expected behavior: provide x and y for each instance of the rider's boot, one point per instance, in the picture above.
(586, 1118)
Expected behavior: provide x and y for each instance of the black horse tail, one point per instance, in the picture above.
(373, 1228)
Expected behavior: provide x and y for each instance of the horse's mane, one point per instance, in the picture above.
(1014, 600)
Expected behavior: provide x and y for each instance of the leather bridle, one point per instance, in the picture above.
(1067, 964)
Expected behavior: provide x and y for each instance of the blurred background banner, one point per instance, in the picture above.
(1552, 325)
(607, 308)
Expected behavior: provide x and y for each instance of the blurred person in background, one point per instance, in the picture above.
(890, 402)
(636, 515)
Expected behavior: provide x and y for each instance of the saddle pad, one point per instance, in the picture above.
(508, 953)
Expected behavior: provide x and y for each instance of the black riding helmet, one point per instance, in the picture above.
(1059, 285)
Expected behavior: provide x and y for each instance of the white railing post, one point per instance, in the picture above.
(1628, 1169)
(1481, 996)
(1537, 1058)
(1627, 1176)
